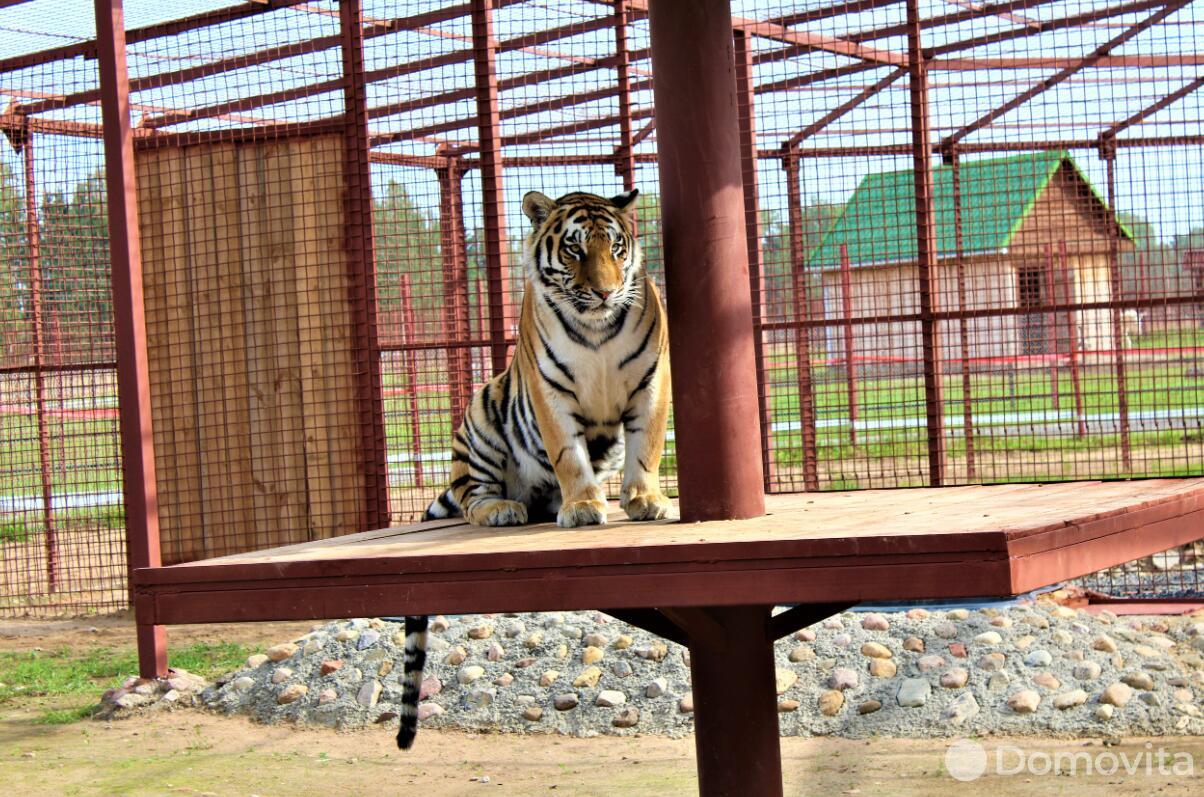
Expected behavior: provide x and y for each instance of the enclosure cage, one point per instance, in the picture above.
(974, 247)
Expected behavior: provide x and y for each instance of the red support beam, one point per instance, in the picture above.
(926, 245)
(746, 110)
(716, 407)
(409, 334)
(361, 251)
(842, 109)
(624, 152)
(1118, 339)
(45, 459)
(133, 374)
(850, 363)
(802, 313)
(963, 331)
(455, 285)
(497, 271)
(1152, 109)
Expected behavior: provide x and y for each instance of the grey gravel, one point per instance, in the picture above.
(950, 673)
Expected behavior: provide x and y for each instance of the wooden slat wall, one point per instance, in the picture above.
(251, 345)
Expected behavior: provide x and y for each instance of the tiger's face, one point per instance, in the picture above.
(582, 251)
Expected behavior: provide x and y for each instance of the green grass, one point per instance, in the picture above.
(72, 681)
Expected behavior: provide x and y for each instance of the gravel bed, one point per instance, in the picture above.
(1032, 669)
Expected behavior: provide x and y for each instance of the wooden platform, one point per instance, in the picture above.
(816, 548)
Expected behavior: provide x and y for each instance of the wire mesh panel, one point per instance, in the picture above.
(62, 525)
(974, 236)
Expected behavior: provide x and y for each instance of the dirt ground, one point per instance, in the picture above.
(193, 752)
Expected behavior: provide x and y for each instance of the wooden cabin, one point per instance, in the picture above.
(1030, 231)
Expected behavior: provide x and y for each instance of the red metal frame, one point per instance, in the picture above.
(133, 382)
(359, 242)
(925, 244)
(455, 286)
(802, 332)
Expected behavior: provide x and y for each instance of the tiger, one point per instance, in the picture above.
(585, 394)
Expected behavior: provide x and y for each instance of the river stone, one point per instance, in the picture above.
(331, 665)
(428, 710)
(470, 673)
(623, 642)
(455, 656)
(587, 678)
(807, 635)
(913, 644)
(1065, 700)
(255, 661)
(430, 686)
(843, 678)
(1086, 671)
(830, 702)
(802, 653)
(992, 662)
(548, 677)
(533, 713)
(656, 688)
(954, 678)
(686, 704)
(998, 681)
(495, 652)
(1046, 680)
(961, 708)
(327, 695)
(533, 640)
(622, 668)
(367, 639)
(504, 680)
(945, 630)
(1138, 680)
(281, 675)
(566, 701)
(610, 698)
(280, 652)
(875, 622)
(595, 640)
(1117, 694)
(883, 668)
(483, 631)
(957, 614)
(913, 692)
(292, 694)
(930, 662)
(1024, 702)
(787, 706)
(1038, 658)
(369, 693)
(1105, 643)
(655, 651)
(876, 650)
(591, 654)
(627, 717)
(243, 683)
(1104, 712)
(784, 679)
(869, 707)
(991, 638)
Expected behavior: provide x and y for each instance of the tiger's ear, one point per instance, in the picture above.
(626, 201)
(537, 207)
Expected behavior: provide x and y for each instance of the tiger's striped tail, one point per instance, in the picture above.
(415, 662)
(443, 506)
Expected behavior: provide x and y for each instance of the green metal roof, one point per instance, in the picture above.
(879, 221)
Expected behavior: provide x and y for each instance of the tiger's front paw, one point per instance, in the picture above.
(646, 506)
(581, 513)
(498, 512)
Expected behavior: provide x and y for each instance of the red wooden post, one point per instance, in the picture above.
(409, 336)
(361, 250)
(1051, 298)
(501, 314)
(33, 244)
(1073, 331)
(129, 319)
(455, 287)
(716, 406)
(925, 243)
(850, 364)
(802, 332)
(714, 380)
(752, 237)
(1118, 341)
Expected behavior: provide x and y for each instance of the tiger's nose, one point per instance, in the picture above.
(601, 294)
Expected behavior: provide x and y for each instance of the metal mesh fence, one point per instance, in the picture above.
(1007, 287)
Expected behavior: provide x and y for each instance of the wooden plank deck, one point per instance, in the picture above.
(810, 548)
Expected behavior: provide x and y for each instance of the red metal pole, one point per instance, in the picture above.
(133, 382)
(802, 334)
(501, 314)
(752, 236)
(480, 293)
(1118, 342)
(715, 403)
(33, 246)
(850, 367)
(963, 324)
(455, 286)
(925, 243)
(409, 333)
(361, 252)
(1073, 331)
(1052, 322)
(625, 153)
